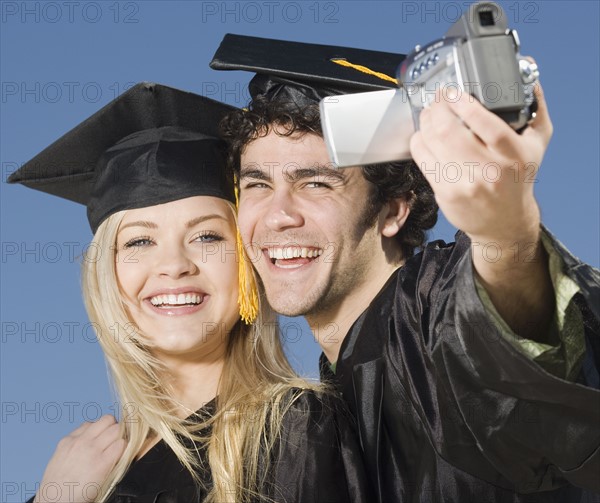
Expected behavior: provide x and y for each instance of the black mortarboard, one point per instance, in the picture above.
(151, 145)
(304, 73)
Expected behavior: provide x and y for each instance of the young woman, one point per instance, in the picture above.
(211, 409)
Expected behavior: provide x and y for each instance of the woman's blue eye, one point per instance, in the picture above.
(209, 237)
(142, 241)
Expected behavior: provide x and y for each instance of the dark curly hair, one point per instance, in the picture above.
(388, 180)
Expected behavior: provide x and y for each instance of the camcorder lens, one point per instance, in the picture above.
(486, 18)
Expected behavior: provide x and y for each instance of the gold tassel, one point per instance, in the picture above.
(364, 69)
(248, 291)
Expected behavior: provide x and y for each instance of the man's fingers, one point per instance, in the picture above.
(114, 451)
(485, 125)
(421, 154)
(446, 134)
(108, 436)
(92, 430)
(80, 430)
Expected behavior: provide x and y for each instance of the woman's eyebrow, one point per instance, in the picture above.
(204, 218)
(190, 223)
(140, 223)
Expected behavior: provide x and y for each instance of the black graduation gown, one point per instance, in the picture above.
(317, 460)
(449, 411)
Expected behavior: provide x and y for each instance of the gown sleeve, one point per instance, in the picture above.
(560, 353)
(535, 428)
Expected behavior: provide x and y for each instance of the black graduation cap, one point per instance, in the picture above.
(151, 145)
(305, 73)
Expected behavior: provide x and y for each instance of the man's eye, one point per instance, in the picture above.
(255, 185)
(138, 242)
(318, 185)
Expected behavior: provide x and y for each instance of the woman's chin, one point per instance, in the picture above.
(189, 346)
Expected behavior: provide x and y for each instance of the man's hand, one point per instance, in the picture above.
(481, 170)
(81, 463)
(483, 173)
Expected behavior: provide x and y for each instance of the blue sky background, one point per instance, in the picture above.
(62, 61)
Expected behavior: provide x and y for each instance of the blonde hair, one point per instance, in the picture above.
(256, 388)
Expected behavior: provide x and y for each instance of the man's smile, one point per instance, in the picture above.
(292, 256)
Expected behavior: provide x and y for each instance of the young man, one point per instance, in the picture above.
(472, 375)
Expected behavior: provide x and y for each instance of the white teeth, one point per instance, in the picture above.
(177, 300)
(289, 252)
(277, 254)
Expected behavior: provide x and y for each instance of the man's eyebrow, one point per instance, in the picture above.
(293, 173)
(255, 173)
(331, 174)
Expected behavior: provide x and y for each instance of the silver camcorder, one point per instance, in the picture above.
(479, 55)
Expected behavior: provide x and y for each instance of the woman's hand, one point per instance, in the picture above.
(82, 461)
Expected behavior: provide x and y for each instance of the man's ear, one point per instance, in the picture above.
(394, 214)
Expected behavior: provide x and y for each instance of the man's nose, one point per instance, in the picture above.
(282, 212)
